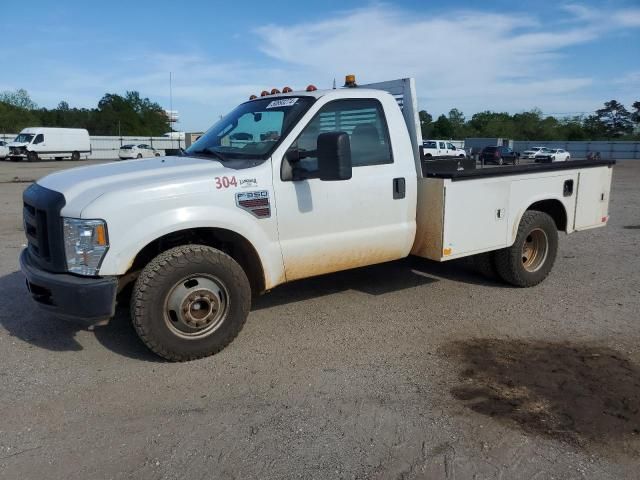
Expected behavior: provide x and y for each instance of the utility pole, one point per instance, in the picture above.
(170, 104)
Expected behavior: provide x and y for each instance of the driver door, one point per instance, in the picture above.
(327, 226)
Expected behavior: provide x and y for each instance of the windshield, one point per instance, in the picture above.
(24, 138)
(252, 130)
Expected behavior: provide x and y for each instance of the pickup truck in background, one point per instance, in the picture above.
(329, 180)
(441, 148)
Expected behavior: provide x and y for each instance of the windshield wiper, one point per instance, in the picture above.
(212, 153)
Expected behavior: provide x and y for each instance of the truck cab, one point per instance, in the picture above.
(286, 186)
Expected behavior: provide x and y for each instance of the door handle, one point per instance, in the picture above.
(399, 188)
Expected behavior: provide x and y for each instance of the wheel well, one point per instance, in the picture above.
(232, 243)
(555, 210)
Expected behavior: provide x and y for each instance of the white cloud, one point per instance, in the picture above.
(472, 60)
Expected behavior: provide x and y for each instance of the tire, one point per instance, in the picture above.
(75, 156)
(58, 159)
(530, 259)
(500, 161)
(157, 154)
(139, 155)
(168, 281)
(461, 156)
(428, 155)
(32, 157)
(485, 264)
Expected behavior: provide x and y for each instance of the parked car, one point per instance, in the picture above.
(441, 148)
(4, 150)
(498, 155)
(137, 151)
(35, 143)
(533, 153)
(554, 155)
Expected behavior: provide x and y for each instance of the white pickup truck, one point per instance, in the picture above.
(441, 148)
(284, 187)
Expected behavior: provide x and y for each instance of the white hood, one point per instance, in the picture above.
(81, 186)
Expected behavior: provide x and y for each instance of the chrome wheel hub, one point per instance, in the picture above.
(196, 306)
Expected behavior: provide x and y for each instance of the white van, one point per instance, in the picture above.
(46, 143)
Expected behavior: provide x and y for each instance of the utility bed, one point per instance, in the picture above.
(465, 212)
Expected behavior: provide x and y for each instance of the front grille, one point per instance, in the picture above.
(17, 150)
(43, 227)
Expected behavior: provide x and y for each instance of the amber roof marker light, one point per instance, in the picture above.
(311, 88)
(287, 90)
(350, 81)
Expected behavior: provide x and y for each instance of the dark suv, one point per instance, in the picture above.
(498, 155)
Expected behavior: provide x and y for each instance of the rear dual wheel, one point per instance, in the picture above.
(530, 259)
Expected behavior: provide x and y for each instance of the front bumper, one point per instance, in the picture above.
(86, 299)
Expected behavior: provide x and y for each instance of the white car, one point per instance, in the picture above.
(560, 155)
(441, 148)
(533, 153)
(4, 150)
(137, 151)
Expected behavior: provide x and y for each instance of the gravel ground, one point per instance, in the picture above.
(410, 369)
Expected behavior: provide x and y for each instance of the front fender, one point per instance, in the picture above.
(128, 236)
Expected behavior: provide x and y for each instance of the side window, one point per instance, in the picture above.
(364, 122)
(430, 144)
(39, 139)
(450, 146)
(443, 145)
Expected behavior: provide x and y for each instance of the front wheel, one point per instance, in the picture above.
(530, 259)
(75, 156)
(139, 155)
(32, 157)
(500, 161)
(190, 302)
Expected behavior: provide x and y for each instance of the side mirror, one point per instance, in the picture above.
(334, 156)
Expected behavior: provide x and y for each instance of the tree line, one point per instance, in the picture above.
(127, 114)
(130, 114)
(612, 121)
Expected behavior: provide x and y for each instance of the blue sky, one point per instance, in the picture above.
(474, 55)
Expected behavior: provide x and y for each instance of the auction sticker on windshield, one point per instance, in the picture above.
(283, 102)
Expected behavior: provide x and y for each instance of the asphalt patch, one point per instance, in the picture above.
(576, 393)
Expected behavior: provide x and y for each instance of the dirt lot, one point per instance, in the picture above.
(405, 370)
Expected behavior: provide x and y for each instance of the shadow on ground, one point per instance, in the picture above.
(21, 317)
(379, 279)
(575, 393)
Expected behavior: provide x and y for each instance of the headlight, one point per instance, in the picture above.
(85, 243)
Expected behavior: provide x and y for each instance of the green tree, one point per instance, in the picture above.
(635, 116)
(457, 120)
(19, 99)
(442, 128)
(594, 128)
(616, 119)
(426, 123)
